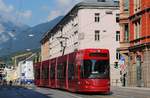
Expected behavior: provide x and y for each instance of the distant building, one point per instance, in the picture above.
(25, 71)
(89, 24)
(139, 50)
(23, 66)
(124, 40)
(10, 74)
(2, 72)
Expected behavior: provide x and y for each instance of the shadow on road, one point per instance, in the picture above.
(20, 92)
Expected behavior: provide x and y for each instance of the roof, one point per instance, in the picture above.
(100, 3)
(84, 4)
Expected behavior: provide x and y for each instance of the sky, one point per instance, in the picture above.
(33, 12)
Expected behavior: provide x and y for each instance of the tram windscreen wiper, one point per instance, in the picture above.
(95, 69)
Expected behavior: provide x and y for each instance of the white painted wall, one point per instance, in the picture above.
(107, 23)
(28, 70)
(25, 67)
(85, 27)
(108, 28)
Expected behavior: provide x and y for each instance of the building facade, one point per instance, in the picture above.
(45, 50)
(124, 40)
(25, 71)
(139, 50)
(89, 24)
(10, 74)
(2, 73)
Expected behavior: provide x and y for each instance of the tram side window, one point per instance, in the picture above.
(86, 69)
(52, 73)
(71, 72)
(61, 70)
(42, 73)
(45, 73)
(64, 69)
(37, 73)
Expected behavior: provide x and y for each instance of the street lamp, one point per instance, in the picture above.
(63, 43)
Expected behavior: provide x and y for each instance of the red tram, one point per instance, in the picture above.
(81, 71)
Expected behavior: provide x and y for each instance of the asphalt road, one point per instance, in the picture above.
(117, 92)
(19, 92)
(36, 92)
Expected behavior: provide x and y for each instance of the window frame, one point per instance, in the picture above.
(117, 35)
(97, 35)
(97, 17)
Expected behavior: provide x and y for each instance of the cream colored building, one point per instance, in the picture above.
(11, 74)
(124, 40)
(89, 24)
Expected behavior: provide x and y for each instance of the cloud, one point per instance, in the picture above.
(3, 35)
(53, 14)
(66, 5)
(10, 13)
(62, 8)
(45, 8)
(67, 2)
(3, 38)
(64, 2)
(2, 28)
(5, 8)
(25, 14)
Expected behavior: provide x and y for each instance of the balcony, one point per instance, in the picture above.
(124, 46)
(124, 15)
(123, 18)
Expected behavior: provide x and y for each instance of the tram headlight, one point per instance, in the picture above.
(79, 82)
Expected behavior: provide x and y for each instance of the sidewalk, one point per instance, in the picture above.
(133, 88)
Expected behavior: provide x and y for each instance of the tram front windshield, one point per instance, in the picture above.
(95, 69)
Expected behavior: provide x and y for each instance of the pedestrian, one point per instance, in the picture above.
(10, 83)
(4, 82)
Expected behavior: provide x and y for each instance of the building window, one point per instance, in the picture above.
(126, 32)
(118, 55)
(137, 5)
(97, 35)
(75, 32)
(139, 68)
(116, 65)
(137, 26)
(109, 12)
(97, 17)
(126, 5)
(117, 18)
(117, 35)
